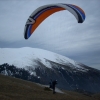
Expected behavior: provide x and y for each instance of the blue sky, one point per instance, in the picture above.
(59, 33)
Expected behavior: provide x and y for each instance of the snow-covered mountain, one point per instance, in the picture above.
(41, 66)
(26, 56)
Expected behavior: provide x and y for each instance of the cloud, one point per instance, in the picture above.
(59, 33)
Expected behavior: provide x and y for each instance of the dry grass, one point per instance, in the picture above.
(17, 89)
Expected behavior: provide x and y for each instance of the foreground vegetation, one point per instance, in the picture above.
(17, 89)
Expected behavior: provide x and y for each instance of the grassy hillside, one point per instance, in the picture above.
(17, 89)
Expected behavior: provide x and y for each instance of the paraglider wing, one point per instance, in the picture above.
(43, 12)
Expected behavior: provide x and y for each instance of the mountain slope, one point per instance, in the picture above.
(41, 66)
(16, 89)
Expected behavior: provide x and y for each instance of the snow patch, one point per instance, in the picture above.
(26, 56)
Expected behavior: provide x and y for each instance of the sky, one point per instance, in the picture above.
(59, 33)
